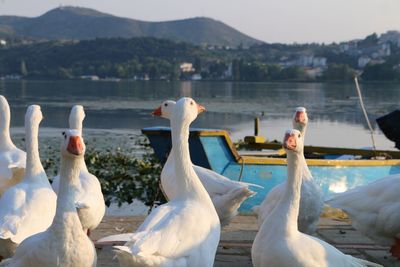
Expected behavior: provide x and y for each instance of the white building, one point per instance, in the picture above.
(305, 60)
(186, 67)
(3, 42)
(363, 61)
(319, 62)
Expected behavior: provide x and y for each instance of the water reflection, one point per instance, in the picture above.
(333, 107)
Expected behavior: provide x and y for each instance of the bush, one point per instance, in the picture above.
(123, 177)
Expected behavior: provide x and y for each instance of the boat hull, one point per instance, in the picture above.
(213, 149)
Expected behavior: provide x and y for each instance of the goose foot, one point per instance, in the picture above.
(395, 249)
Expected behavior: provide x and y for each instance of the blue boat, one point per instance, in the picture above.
(334, 169)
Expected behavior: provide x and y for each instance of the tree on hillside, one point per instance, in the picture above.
(338, 72)
(380, 72)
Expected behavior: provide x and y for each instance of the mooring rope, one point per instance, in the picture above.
(365, 112)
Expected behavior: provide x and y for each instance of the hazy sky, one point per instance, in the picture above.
(284, 21)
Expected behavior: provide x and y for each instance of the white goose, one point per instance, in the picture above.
(226, 195)
(27, 208)
(374, 209)
(186, 230)
(311, 201)
(89, 198)
(12, 159)
(64, 243)
(278, 242)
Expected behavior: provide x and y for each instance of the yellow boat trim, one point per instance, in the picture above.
(320, 162)
(310, 162)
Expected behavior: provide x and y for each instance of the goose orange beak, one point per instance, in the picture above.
(200, 108)
(75, 145)
(157, 112)
(289, 142)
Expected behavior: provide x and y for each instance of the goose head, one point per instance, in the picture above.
(72, 145)
(187, 109)
(300, 118)
(293, 141)
(33, 116)
(165, 110)
(76, 117)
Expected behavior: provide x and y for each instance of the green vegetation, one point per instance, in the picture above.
(123, 178)
(160, 59)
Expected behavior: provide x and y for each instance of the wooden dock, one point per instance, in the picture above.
(236, 240)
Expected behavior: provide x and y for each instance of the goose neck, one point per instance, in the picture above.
(290, 202)
(5, 139)
(188, 183)
(34, 166)
(69, 184)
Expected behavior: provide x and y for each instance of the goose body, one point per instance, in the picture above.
(89, 199)
(374, 209)
(12, 159)
(311, 201)
(226, 195)
(64, 243)
(27, 208)
(186, 230)
(278, 242)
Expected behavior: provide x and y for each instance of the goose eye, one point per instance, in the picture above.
(299, 136)
(191, 103)
(166, 105)
(63, 133)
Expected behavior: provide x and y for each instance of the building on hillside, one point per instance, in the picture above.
(314, 73)
(90, 77)
(363, 61)
(349, 48)
(319, 62)
(186, 67)
(390, 36)
(305, 60)
(3, 42)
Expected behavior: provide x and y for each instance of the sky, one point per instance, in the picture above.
(283, 21)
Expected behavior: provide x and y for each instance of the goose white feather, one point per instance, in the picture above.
(64, 243)
(278, 242)
(89, 199)
(27, 208)
(186, 230)
(374, 209)
(226, 195)
(311, 201)
(12, 159)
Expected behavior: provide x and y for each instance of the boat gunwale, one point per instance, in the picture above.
(259, 160)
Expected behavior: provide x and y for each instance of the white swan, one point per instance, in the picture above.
(311, 201)
(227, 195)
(278, 242)
(374, 209)
(186, 230)
(64, 243)
(89, 198)
(12, 159)
(27, 208)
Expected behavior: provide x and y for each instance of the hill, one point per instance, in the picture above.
(75, 23)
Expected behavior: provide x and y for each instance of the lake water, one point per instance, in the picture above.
(335, 115)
